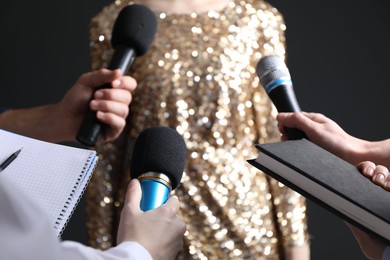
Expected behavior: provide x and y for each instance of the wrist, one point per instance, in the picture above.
(59, 129)
(363, 150)
(378, 152)
(37, 122)
(45, 123)
(65, 124)
(357, 152)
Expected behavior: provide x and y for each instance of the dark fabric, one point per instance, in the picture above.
(2, 109)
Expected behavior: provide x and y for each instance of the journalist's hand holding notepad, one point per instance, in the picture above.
(371, 157)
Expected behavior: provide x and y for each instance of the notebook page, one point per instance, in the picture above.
(52, 175)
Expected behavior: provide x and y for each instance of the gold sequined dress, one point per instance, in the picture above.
(199, 78)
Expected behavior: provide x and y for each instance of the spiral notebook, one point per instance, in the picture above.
(53, 175)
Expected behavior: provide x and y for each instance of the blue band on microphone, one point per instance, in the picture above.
(274, 84)
(154, 193)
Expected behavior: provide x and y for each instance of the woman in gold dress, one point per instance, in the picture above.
(199, 78)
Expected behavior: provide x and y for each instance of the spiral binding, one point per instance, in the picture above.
(65, 215)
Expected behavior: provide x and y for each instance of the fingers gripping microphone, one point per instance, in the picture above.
(158, 162)
(276, 80)
(132, 35)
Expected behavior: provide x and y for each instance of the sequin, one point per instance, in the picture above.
(199, 78)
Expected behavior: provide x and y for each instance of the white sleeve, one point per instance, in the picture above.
(125, 250)
(26, 233)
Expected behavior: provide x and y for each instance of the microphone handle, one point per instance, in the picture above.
(285, 100)
(154, 193)
(91, 127)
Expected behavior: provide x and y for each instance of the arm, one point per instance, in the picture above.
(328, 134)
(371, 247)
(142, 235)
(60, 121)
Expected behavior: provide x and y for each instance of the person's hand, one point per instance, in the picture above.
(111, 104)
(322, 131)
(378, 174)
(371, 247)
(159, 231)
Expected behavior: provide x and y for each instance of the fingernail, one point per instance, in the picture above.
(98, 94)
(132, 183)
(116, 83)
(370, 171)
(379, 178)
(94, 104)
(99, 114)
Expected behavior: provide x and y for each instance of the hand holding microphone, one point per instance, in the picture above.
(276, 80)
(159, 231)
(132, 35)
(158, 163)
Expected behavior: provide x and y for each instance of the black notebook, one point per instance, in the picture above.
(54, 176)
(329, 181)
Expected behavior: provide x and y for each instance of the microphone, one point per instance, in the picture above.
(276, 80)
(132, 35)
(158, 162)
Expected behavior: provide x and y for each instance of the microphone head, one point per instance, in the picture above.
(159, 149)
(135, 27)
(271, 68)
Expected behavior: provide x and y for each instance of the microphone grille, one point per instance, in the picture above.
(159, 149)
(135, 27)
(271, 68)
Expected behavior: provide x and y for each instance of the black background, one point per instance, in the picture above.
(337, 53)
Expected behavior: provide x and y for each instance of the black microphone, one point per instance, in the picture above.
(158, 162)
(132, 35)
(276, 80)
